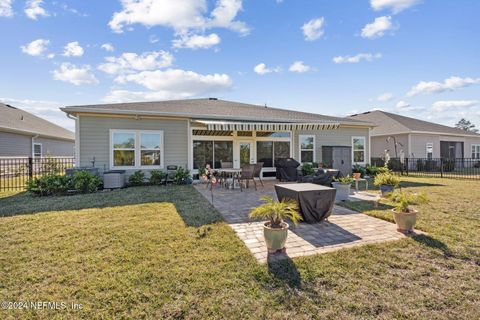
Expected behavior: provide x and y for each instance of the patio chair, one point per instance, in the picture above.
(171, 171)
(248, 173)
(258, 171)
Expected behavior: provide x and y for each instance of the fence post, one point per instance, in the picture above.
(441, 167)
(30, 167)
(407, 163)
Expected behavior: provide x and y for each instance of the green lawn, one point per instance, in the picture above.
(156, 252)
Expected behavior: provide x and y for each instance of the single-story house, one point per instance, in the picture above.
(418, 139)
(23, 134)
(194, 132)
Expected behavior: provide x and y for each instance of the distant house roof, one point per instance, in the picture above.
(211, 109)
(16, 120)
(391, 123)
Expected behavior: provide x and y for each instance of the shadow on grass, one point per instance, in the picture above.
(284, 270)
(363, 206)
(433, 243)
(191, 206)
(411, 184)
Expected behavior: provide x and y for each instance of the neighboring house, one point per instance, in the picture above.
(24, 135)
(192, 133)
(417, 138)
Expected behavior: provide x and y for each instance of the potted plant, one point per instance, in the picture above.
(387, 182)
(276, 229)
(307, 169)
(342, 185)
(358, 171)
(404, 214)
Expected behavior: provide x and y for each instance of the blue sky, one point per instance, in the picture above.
(419, 58)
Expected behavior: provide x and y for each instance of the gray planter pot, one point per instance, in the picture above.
(386, 188)
(343, 191)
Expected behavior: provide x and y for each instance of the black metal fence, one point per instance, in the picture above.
(15, 172)
(456, 168)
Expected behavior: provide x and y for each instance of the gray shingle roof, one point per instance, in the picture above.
(14, 119)
(389, 123)
(212, 109)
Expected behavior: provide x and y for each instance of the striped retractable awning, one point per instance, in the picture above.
(267, 126)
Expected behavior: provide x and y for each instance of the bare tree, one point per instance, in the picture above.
(466, 125)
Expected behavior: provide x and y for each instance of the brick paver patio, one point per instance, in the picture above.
(344, 228)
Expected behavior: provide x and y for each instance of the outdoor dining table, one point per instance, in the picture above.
(315, 202)
(230, 173)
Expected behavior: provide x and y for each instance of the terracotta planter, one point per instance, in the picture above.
(275, 238)
(386, 188)
(343, 191)
(405, 220)
(357, 175)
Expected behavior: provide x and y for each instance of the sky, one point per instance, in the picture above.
(419, 58)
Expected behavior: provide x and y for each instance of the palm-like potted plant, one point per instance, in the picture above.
(404, 214)
(342, 185)
(387, 182)
(358, 171)
(276, 229)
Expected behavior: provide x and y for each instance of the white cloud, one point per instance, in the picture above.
(117, 96)
(377, 28)
(449, 84)
(262, 69)
(357, 58)
(6, 8)
(299, 67)
(196, 41)
(130, 62)
(73, 49)
(153, 39)
(33, 9)
(387, 96)
(48, 110)
(313, 29)
(395, 6)
(108, 47)
(76, 75)
(440, 106)
(403, 106)
(36, 47)
(181, 15)
(178, 82)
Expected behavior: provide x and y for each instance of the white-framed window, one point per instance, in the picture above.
(475, 151)
(136, 149)
(358, 149)
(37, 150)
(307, 148)
(429, 150)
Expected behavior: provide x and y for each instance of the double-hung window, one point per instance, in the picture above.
(475, 151)
(358, 149)
(307, 148)
(37, 150)
(132, 149)
(429, 150)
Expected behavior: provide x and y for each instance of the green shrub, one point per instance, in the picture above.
(157, 177)
(181, 176)
(344, 180)
(403, 201)
(137, 178)
(307, 169)
(374, 170)
(53, 184)
(85, 182)
(386, 178)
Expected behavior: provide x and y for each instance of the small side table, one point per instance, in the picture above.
(361, 179)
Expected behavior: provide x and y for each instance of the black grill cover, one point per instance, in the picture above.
(287, 169)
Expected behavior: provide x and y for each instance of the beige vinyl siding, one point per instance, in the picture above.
(95, 138)
(56, 148)
(338, 137)
(15, 145)
(380, 144)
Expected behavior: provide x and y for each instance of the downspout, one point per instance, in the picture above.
(77, 139)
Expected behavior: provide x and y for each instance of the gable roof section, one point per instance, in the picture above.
(391, 123)
(211, 109)
(17, 120)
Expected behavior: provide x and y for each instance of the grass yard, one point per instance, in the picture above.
(156, 252)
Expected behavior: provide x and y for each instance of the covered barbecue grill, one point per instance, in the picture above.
(287, 169)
